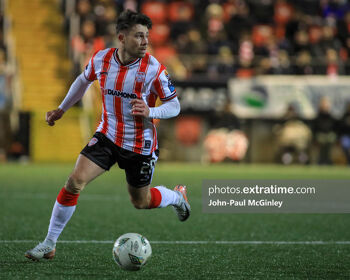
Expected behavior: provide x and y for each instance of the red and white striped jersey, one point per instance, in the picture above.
(143, 78)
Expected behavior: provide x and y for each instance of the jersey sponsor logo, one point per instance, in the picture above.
(170, 83)
(119, 93)
(171, 87)
(140, 77)
(93, 141)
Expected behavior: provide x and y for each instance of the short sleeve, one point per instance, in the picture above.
(89, 72)
(163, 86)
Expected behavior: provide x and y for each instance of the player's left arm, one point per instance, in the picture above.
(164, 88)
(168, 109)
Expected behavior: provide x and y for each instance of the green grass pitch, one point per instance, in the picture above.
(104, 212)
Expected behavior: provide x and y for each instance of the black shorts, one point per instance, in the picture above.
(138, 168)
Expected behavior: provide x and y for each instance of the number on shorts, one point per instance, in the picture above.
(147, 167)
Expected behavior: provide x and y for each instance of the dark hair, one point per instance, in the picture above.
(128, 19)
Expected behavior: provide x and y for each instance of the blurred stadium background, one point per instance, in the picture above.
(259, 81)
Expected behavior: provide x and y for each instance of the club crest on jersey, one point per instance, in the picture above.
(93, 141)
(140, 77)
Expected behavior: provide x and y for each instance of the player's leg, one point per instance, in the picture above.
(160, 197)
(139, 173)
(84, 172)
(95, 158)
(140, 197)
(147, 197)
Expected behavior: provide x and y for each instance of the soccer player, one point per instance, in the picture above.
(130, 81)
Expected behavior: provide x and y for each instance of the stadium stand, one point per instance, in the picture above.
(259, 37)
(202, 42)
(43, 67)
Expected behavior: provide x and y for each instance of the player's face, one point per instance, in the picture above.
(136, 41)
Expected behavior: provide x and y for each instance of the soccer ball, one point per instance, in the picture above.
(131, 251)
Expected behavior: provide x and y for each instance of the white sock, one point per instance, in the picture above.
(59, 218)
(169, 197)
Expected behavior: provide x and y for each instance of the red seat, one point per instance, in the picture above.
(164, 53)
(188, 130)
(159, 34)
(157, 11)
(180, 11)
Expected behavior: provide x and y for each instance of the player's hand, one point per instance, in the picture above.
(139, 108)
(53, 116)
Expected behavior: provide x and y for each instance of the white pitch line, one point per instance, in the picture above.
(238, 242)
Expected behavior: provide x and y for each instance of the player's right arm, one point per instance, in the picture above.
(75, 93)
(53, 116)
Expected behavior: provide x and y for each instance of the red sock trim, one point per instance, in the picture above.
(67, 198)
(156, 198)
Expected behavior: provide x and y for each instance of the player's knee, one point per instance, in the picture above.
(75, 184)
(139, 203)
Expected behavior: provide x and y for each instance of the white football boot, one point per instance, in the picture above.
(45, 250)
(183, 209)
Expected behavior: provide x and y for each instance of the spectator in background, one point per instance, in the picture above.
(324, 131)
(104, 14)
(307, 30)
(97, 24)
(264, 67)
(344, 133)
(216, 36)
(87, 42)
(329, 41)
(268, 53)
(241, 23)
(215, 41)
(110, 36)
(180, 16)
(245, 57)
(293, 138)
(222, 66)
(301, 42)
(128, 4)
(343, 26)
(284, 66)
(294, 24)
(192, 51)
(333, 65)
(84, 10)
(191, 43)
(303, 64)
